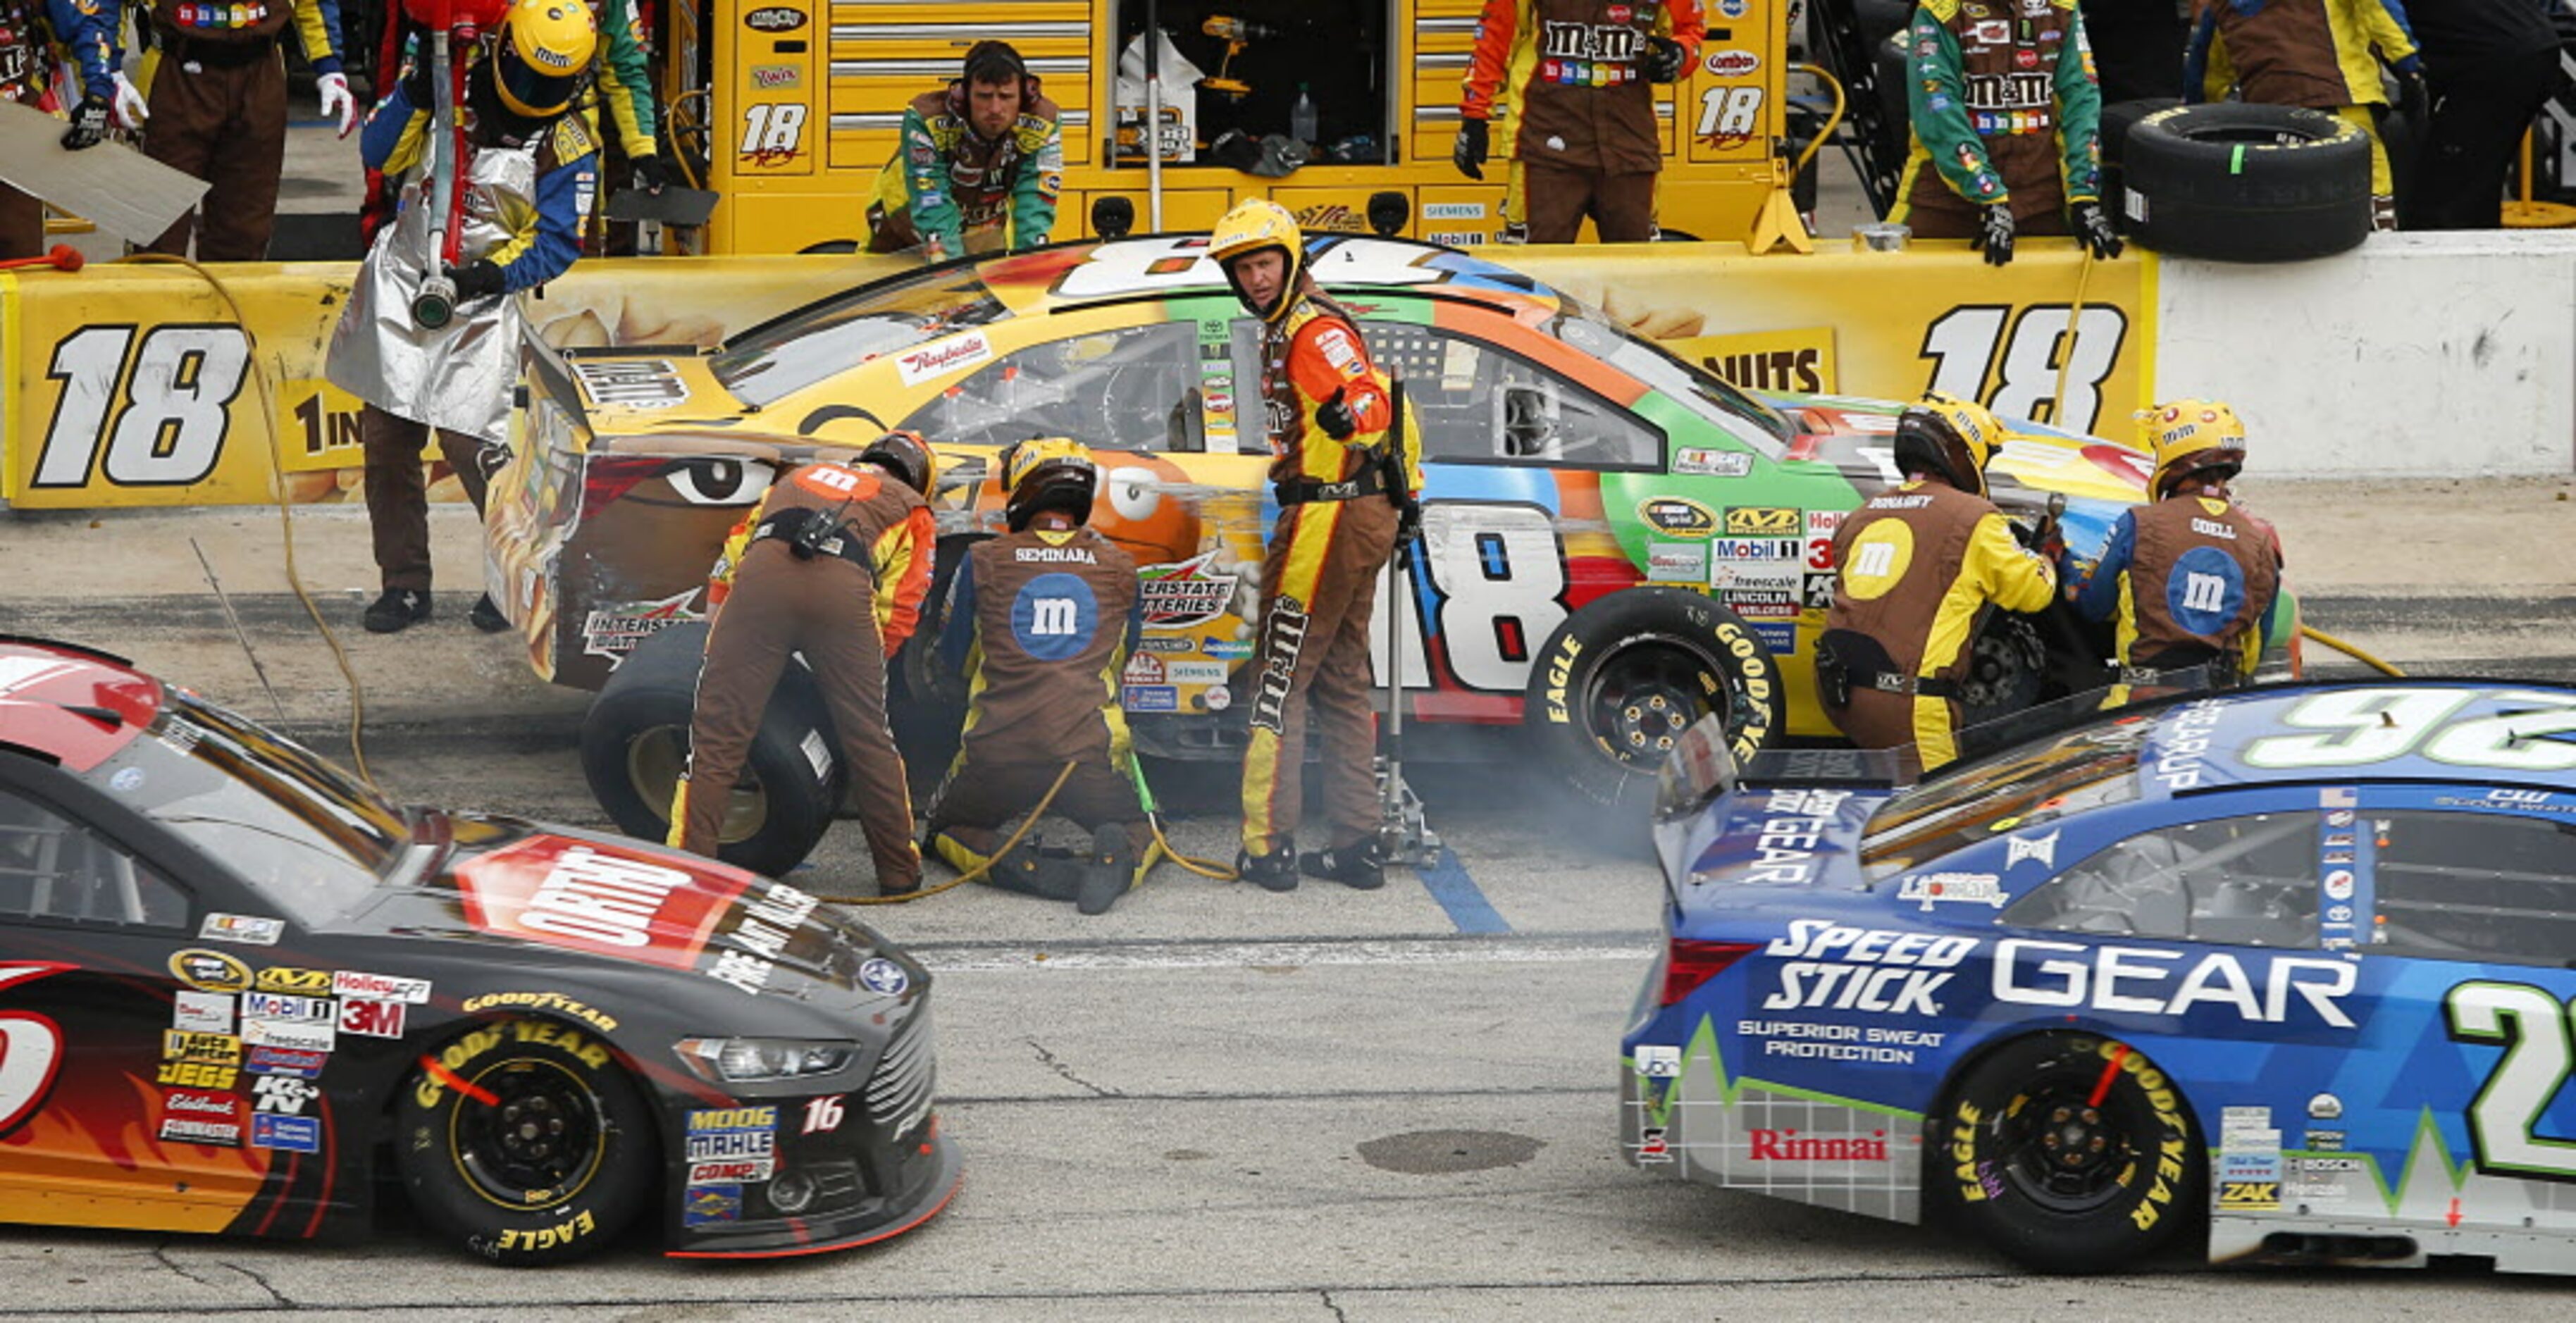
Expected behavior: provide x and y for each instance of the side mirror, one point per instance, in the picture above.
(1388, 213)
(1112, 216)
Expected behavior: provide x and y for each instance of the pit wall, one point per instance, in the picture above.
(2432, 354)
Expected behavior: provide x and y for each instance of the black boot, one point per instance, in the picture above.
(487, 616)
(1275, 871)
(398, 610)
(1359, 867)
(1107, 871)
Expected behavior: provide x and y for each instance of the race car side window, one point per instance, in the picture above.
(2244, 881)
(1134, 388)
(53, 869)
(1479, 404)
(2474, 886)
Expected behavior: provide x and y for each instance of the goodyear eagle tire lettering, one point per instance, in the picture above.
(1622, 678)
(635, 740)
(525, 1141)
(2070, 1153)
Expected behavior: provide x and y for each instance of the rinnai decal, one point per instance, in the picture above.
(943, 357)
(1870, 969)
(1789, 1146)
(2141, 980)
(593, 898)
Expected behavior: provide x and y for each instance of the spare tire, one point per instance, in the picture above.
(2247, 183)
(635, 741)
(2118, 117)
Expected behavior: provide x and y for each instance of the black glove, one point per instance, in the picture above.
(653, 174)
(476, 280)
(89, 124)
(1994, 234)
(1663, 60)
(2093, 226)
(1469, 152)
(1335, 418)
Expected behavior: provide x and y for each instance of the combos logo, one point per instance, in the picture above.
(1183, 593)
(774, 18)
(1731, 63)
(593, 898)
(1677, 516)
(210, 971)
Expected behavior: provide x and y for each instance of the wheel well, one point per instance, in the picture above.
(1939, 1111)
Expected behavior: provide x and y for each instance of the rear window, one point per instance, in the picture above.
(779, 358)
(2013, 791)
(2475, 886)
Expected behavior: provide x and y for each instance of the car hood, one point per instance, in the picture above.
(1857, 437)
(593, 898)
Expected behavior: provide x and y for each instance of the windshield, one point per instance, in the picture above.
(778, 358)
(2009, 792)
(1758, 424)
(298, 830)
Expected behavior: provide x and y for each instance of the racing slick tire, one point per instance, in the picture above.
(2070, 1153)
(635, 742)
(525, 1142)
(2118, 118)
(1621, 679)
(2246, 183)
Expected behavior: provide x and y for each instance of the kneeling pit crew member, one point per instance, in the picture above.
(832, 563)
(1916, 569)
(1041, 620)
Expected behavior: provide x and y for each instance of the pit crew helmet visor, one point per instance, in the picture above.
(2193, 438)
(1950, 436)
(1048, 473)
(1252, 226)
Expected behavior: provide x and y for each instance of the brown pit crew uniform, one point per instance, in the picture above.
(1586, 136)
(1907, 603)
(2151, 636)
(2010, 118)
(217, 110)
(846, 609)
(1044, 668)
(398, 491)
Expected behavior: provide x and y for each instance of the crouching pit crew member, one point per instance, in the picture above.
(1917, 568)
(833, 563)
(2192, 579)
(1040, 620)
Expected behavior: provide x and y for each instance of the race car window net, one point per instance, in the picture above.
(786, 354)
(2474, 886)
(2011, 791)
(53, 868)
(298, 830)
(1703, 392)
(2242, 881)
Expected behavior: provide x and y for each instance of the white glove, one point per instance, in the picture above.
(335, 94)
(130, 110)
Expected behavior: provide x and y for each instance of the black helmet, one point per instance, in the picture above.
(1950, 437)
(906, 456)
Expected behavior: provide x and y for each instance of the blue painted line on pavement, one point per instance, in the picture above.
(1448, 883)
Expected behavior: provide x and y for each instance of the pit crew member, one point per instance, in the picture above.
(833, 563)
(1916, 568)
(32, 32)
(1576, 77)
(2007, 121)
(981, 163)
(2320, 53)
(1340, 468)
(2193, 578)
(216, 104)
(1041, 620)
(530, 170)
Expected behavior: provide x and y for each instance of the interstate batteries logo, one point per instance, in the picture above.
(1184, 593)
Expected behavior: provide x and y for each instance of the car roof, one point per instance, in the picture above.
(2470, 732)
(69, 704)
(1074, 276)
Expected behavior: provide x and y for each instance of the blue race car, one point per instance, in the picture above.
(2296, 959)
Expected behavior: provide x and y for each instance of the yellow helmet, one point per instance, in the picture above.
(1048, 473)
(1252, 226)
(2191, 437)
(544, 54)
(1949, 436)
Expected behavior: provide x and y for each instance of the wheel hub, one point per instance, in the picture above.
(2074, 1138)
(540, 1132)
(1643, 700)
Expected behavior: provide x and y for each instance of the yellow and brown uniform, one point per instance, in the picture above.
(1918, 565)
(2191, 579)
(847, 609)
(2319, 53)
(1043, 619)
(1571, 74)
(1319, 579)
(2004, 108)
(217, 110)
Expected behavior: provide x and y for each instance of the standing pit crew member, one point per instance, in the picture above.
(1576, 76)
(979, 164)
(833, 563)
(2006, 127)
(1334, 439)
(216, 109)
(1040, 621)
(31, 34)
(1916, 569)
(2320, 53)
(531, 168)
(2193, 577)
